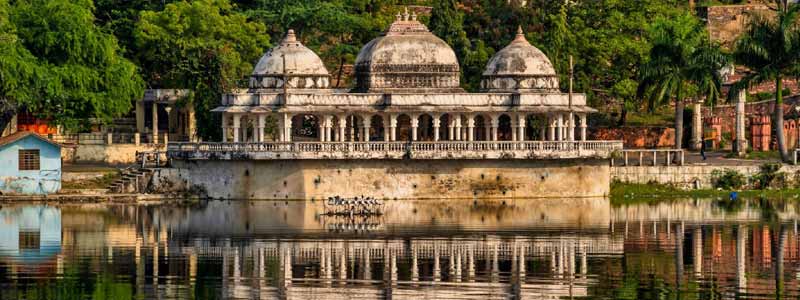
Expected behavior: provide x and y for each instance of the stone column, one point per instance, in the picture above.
(342, 128)
(414, 126)
(450, 125)
(262, 122)
(697, 126)
(470, 128)
(560, 127)
(740, 146)
(191, 123)
(386, 130)
(495, 122)
(488, 125)
(514, 129)
(287, 127)
(457, 127)
(367, 122)
(224, 127)
(521, 123)
(322, 130)
(583, 127)
(437, 122)
(571, 126)
(393, 127)
(353, 127)
(155, 123)
(551, 133)
(329, 128)
(140, 116)
(237, 121)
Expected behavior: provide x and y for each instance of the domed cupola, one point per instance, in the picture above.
(407, 58)
(291, 62)
(519, 67)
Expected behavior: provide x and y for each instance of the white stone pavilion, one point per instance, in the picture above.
(407, 89)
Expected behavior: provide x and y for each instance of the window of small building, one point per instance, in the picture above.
(29, 160)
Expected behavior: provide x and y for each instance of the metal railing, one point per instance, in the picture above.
(650, 157)
(421, 146)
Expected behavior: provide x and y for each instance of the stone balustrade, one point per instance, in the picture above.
(650, 157)
(396, 150)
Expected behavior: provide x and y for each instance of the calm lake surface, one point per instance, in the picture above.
(518, 249)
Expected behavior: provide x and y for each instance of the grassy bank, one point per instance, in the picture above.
(623, 193)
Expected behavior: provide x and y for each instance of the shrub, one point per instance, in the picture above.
(728, 179)
(770, 176)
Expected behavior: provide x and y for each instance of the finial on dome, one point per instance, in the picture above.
(290, 37)
(413, 16)
(520, 36)
(405, 14)
(398, 17)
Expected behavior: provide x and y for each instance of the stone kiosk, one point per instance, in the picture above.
(406, 130)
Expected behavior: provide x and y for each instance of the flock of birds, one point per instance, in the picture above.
(353, 206)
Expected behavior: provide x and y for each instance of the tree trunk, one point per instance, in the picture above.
(623, 115)
(778, 119)
(679, 124)
(7, 112)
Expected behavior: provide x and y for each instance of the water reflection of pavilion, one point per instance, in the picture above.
(279, 250)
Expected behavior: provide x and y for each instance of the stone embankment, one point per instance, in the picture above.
(687, 176)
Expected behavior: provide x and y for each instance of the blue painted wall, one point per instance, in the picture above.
(46, 180)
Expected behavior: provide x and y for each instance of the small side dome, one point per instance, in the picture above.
(292, 62)
(518, 67)
(407, 58)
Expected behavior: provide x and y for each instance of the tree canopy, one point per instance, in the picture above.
(55, 61)
(204, 46)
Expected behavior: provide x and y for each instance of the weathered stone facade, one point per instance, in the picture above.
(406, 129)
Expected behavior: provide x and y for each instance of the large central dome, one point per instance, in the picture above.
(407, 58)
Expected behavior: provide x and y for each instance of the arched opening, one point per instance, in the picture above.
(353, 132)
(305, 127)
(376, 129)
(444, 132)
(403, 131)
(482, 128)
(425, 130)
(504, 128)
(533, 127)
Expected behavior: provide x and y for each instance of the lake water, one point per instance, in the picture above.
(517, 249)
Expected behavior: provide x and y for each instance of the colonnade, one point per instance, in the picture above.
(556, 126)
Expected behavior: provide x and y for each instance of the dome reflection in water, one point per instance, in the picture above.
(531, 249)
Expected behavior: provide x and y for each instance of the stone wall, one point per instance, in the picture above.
(387, 179)
(693, 176)
(114, 154)
(725, 115)
(726, 22)
(637, 137)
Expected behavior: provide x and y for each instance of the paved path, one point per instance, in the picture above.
(718, 159)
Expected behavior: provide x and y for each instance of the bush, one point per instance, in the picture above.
(770, 176)
(728, 179)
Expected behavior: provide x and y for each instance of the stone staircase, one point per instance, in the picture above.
(132, 180)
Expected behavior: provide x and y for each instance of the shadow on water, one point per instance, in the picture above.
(470, 249)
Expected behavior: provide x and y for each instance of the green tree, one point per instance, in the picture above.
(204, 46)
(770, 48)
(56, 63)
(681, 62)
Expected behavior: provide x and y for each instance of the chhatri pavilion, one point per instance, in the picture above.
(406, 89)
(406, 130)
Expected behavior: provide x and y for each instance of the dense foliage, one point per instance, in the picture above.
(55, 61)
(204, 46)
(210, 46)
(770, 48)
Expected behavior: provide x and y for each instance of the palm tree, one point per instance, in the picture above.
(770, 48)
(682, 64)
